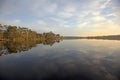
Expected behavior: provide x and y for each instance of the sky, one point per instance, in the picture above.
(65, 17)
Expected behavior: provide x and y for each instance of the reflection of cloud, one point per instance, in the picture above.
(89, 59)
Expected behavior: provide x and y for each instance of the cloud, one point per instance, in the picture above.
(99, 18)
(10, 22)
(70, 8)
(41, 23)
(17, 21)
(105, 4)
(68, 17)
(82, 25)
(65, 14)
(51, 8)
(105, 28)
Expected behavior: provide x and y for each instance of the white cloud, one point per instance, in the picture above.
(16, 21)
(65, 14)
(82, 25)
(105, 4)
(51, 8)
(112, 14)
(66, 26)
(70, 8)
(96, 13)
(41, 23)
(55, 19)
(98, 18)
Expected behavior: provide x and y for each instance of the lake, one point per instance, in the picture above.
(76, 59)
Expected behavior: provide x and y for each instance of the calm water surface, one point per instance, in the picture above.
(66, 60)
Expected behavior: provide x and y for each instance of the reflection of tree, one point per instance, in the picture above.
(50, 42)
(2, 48)
(15, 47)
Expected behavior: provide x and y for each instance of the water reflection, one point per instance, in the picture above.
(16, 47)
(68, 60)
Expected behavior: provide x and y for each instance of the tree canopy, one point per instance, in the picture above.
(15, 33)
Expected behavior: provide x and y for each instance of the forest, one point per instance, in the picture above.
(16, 33)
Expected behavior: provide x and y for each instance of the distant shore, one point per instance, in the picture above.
(109, 37)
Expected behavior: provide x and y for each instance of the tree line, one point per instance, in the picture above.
(16, 33)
